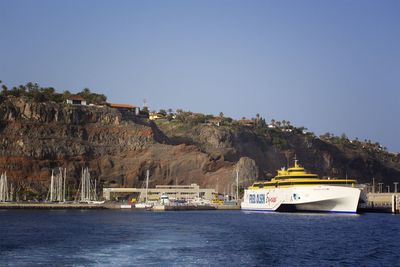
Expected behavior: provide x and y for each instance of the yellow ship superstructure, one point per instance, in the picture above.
(297, 176)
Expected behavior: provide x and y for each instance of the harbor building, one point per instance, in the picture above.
(183, 192)
(125, 108)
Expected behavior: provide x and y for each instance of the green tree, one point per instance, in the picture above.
(4, 90)
(326, 136)
(162, 112)
(145, 110)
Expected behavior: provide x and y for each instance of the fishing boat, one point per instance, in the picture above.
(294, 189)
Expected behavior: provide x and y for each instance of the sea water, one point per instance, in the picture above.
(196, 238)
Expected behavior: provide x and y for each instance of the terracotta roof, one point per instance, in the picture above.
(121, 106)
(215, 120)
(76, 97)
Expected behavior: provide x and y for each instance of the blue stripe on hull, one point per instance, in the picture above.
(304, 211)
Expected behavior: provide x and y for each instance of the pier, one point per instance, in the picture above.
(382, 202)
(41, 205)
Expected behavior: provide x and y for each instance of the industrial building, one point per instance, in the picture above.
(172, 191)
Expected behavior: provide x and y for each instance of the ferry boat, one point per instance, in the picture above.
(294, 189)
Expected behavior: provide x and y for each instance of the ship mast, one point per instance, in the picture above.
(296, 165)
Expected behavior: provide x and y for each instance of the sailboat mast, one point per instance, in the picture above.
(51, 186)
(147, 182)
(1, 187)
(82, 186)
(65, 177)
(95, 190)
(59, 181)
(237, 186)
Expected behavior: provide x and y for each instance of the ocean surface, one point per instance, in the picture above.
(196, 238)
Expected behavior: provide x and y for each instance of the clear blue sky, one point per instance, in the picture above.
(327, 65)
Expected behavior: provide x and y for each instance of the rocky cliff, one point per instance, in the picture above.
(272, 149)
(119, 148)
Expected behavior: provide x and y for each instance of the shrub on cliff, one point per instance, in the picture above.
(45, 94)
(92, 97)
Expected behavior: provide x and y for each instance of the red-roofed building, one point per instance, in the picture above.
(214, 121)
(125, 107)
(246, 122)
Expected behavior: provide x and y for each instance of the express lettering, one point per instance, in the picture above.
(271, 199)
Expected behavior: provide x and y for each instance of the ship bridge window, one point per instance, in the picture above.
(297, 170)
(296, 177)
(327, 182)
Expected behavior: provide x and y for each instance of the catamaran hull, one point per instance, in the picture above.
(317, 198)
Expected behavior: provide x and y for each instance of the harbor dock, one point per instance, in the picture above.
(111, 205)
(382, 202)
(41, 205)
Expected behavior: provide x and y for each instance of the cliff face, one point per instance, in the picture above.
(119, 148)
(272, 149)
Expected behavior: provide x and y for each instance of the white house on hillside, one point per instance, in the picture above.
(76, 100)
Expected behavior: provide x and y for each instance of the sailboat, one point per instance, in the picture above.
(146, 204)
(4, 189)
(57, 191)
(88, 189)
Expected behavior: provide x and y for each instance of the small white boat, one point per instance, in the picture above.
(96, 202)
(143, 205)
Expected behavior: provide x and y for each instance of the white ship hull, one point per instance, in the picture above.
(318, 198)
